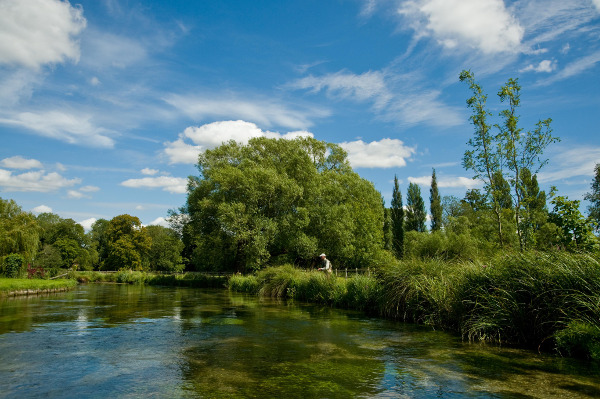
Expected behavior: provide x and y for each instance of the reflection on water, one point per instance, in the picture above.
(132, 342)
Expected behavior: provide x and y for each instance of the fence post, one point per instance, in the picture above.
(346, 272)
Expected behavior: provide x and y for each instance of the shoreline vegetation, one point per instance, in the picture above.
(543, 301)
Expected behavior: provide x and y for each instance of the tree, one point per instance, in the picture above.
(484, 156)
(279, 201)
(397, 216)
(576, 230)
(19, 231)
(520, 151)
(99, 241)
(128, 244)
(435, 204)
(388, 236)
(594, 198)
(415, 209)
(165, 252)
(533, 214)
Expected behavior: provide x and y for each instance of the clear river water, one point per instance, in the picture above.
(122, 341)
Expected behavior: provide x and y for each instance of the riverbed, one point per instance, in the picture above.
(124, 341)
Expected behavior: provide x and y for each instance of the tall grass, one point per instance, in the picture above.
(542, 300)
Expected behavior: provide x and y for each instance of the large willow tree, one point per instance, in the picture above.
(279, 201)
(19, 232)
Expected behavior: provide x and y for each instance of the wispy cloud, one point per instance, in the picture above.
(447, 181)
(394, 96)
(574, 68)
(266, 113)
(544, 66)
(72, 128)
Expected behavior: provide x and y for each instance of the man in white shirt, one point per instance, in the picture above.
(326, 264)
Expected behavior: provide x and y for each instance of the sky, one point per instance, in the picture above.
(106, 104)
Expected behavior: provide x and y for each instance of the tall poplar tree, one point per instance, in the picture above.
(435, 204)
(594, 198)
(415, 209)
(484, 157)
(397, 216)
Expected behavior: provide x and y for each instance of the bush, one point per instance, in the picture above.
(579, 339)
(14, 266)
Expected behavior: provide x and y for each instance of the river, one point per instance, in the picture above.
(122, 341)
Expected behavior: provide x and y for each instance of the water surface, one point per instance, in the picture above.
(136, 342)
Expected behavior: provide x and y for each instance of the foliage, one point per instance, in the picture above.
(435, 204)
(19, 232)
(397, 216)
(165, 252)
(415, 209)
(128, 244)
(13, 266)
(576, 231)
(594, 198)
(279, 198)
(521, 153)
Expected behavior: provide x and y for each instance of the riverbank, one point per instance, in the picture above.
(194, 280)
(24, 286)
(543, 301)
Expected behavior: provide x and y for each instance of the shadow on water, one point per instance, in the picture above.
(128, 341)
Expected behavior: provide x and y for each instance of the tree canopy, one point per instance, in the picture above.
(280, 200)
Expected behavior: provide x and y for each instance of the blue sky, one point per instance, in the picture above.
(105, 104)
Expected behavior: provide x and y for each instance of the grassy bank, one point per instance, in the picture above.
(133, 277)
(15, 286)
(549, 301)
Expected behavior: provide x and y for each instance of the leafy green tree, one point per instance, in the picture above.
(13, 266)
(484, 157)
(594, 198)
(435, 204)
(397, 216)
(165, 252)
(279, 201)
(502, 190)
(19, 231)
(388, 236)
(69, 239)
(534, 213)
(415, 209)
(576, 230)
(521, 151)
(128, 244)
(99, 241)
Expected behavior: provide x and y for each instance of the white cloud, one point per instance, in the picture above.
(38, 32)
(160, 221)
(102, 50)
(149, 172)
(543, 66)
(42, 209)
(214, 134)
(386, 153)
(447, 181)
(74, 194)
(597, 4)
(264, 112)
(95, 81)
(34, 181)
(70, 128)
(89, 189)
(175, 185)
(87, 223)
(485, 25)
(18, 162)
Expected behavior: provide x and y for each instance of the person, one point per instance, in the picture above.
(326, 264)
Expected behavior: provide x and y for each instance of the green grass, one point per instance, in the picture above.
(8, 285)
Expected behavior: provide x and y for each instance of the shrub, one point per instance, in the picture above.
(14, 266)
(579, 339)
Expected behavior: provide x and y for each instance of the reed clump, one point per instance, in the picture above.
(549, 301)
